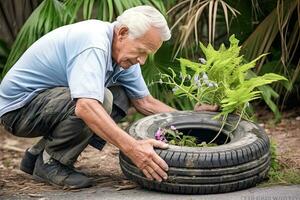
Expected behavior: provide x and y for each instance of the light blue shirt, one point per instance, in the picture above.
(77, 56)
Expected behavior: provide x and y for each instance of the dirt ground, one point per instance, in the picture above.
(285, 134)
(104, 165)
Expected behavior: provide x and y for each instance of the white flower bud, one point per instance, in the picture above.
(196, 78)
(206, 82)
(180, 75)
(204, 76)
(202, 61)
(175, 89)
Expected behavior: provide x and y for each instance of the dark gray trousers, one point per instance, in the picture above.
(51, 114)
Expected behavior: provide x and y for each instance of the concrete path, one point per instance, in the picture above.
(268, 193)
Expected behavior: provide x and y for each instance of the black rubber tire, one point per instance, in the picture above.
(239, 164)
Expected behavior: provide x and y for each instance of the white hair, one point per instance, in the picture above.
(139, 19)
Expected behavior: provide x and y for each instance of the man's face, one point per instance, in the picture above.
(127, 51)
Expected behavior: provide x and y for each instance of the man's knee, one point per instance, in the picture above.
(121, 103)
(108, 101)
(120, 98)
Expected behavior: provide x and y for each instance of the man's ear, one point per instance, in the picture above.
(123, 32)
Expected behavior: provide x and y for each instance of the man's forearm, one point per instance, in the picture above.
(96, 118)
(150, 105)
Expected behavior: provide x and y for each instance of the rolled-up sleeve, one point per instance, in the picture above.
(133, 82)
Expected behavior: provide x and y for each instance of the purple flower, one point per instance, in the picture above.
(173, 128)
(196, 78)
(159, 135)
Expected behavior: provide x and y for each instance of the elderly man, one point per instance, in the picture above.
(73, 84)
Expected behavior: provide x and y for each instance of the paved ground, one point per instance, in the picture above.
(270, 193)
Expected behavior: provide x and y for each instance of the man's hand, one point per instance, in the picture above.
(206, 107)
(145, 158)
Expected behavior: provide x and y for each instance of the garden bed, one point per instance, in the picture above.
(105, 166)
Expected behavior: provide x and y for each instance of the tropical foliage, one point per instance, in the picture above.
(190, 16)
(278, 33)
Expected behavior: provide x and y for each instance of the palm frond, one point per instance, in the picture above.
(108, 10)
(263, 36)
(278, 22)
(190, 17)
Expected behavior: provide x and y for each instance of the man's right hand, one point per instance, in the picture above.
(141, 152)
(145, 158)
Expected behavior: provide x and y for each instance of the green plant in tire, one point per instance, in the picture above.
(220, 78)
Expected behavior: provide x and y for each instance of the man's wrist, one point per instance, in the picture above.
(128, 144)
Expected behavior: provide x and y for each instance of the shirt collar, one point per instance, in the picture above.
(111, 63)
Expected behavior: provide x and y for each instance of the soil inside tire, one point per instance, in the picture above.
(206, 135)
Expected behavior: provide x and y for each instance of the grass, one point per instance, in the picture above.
(281, 173)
